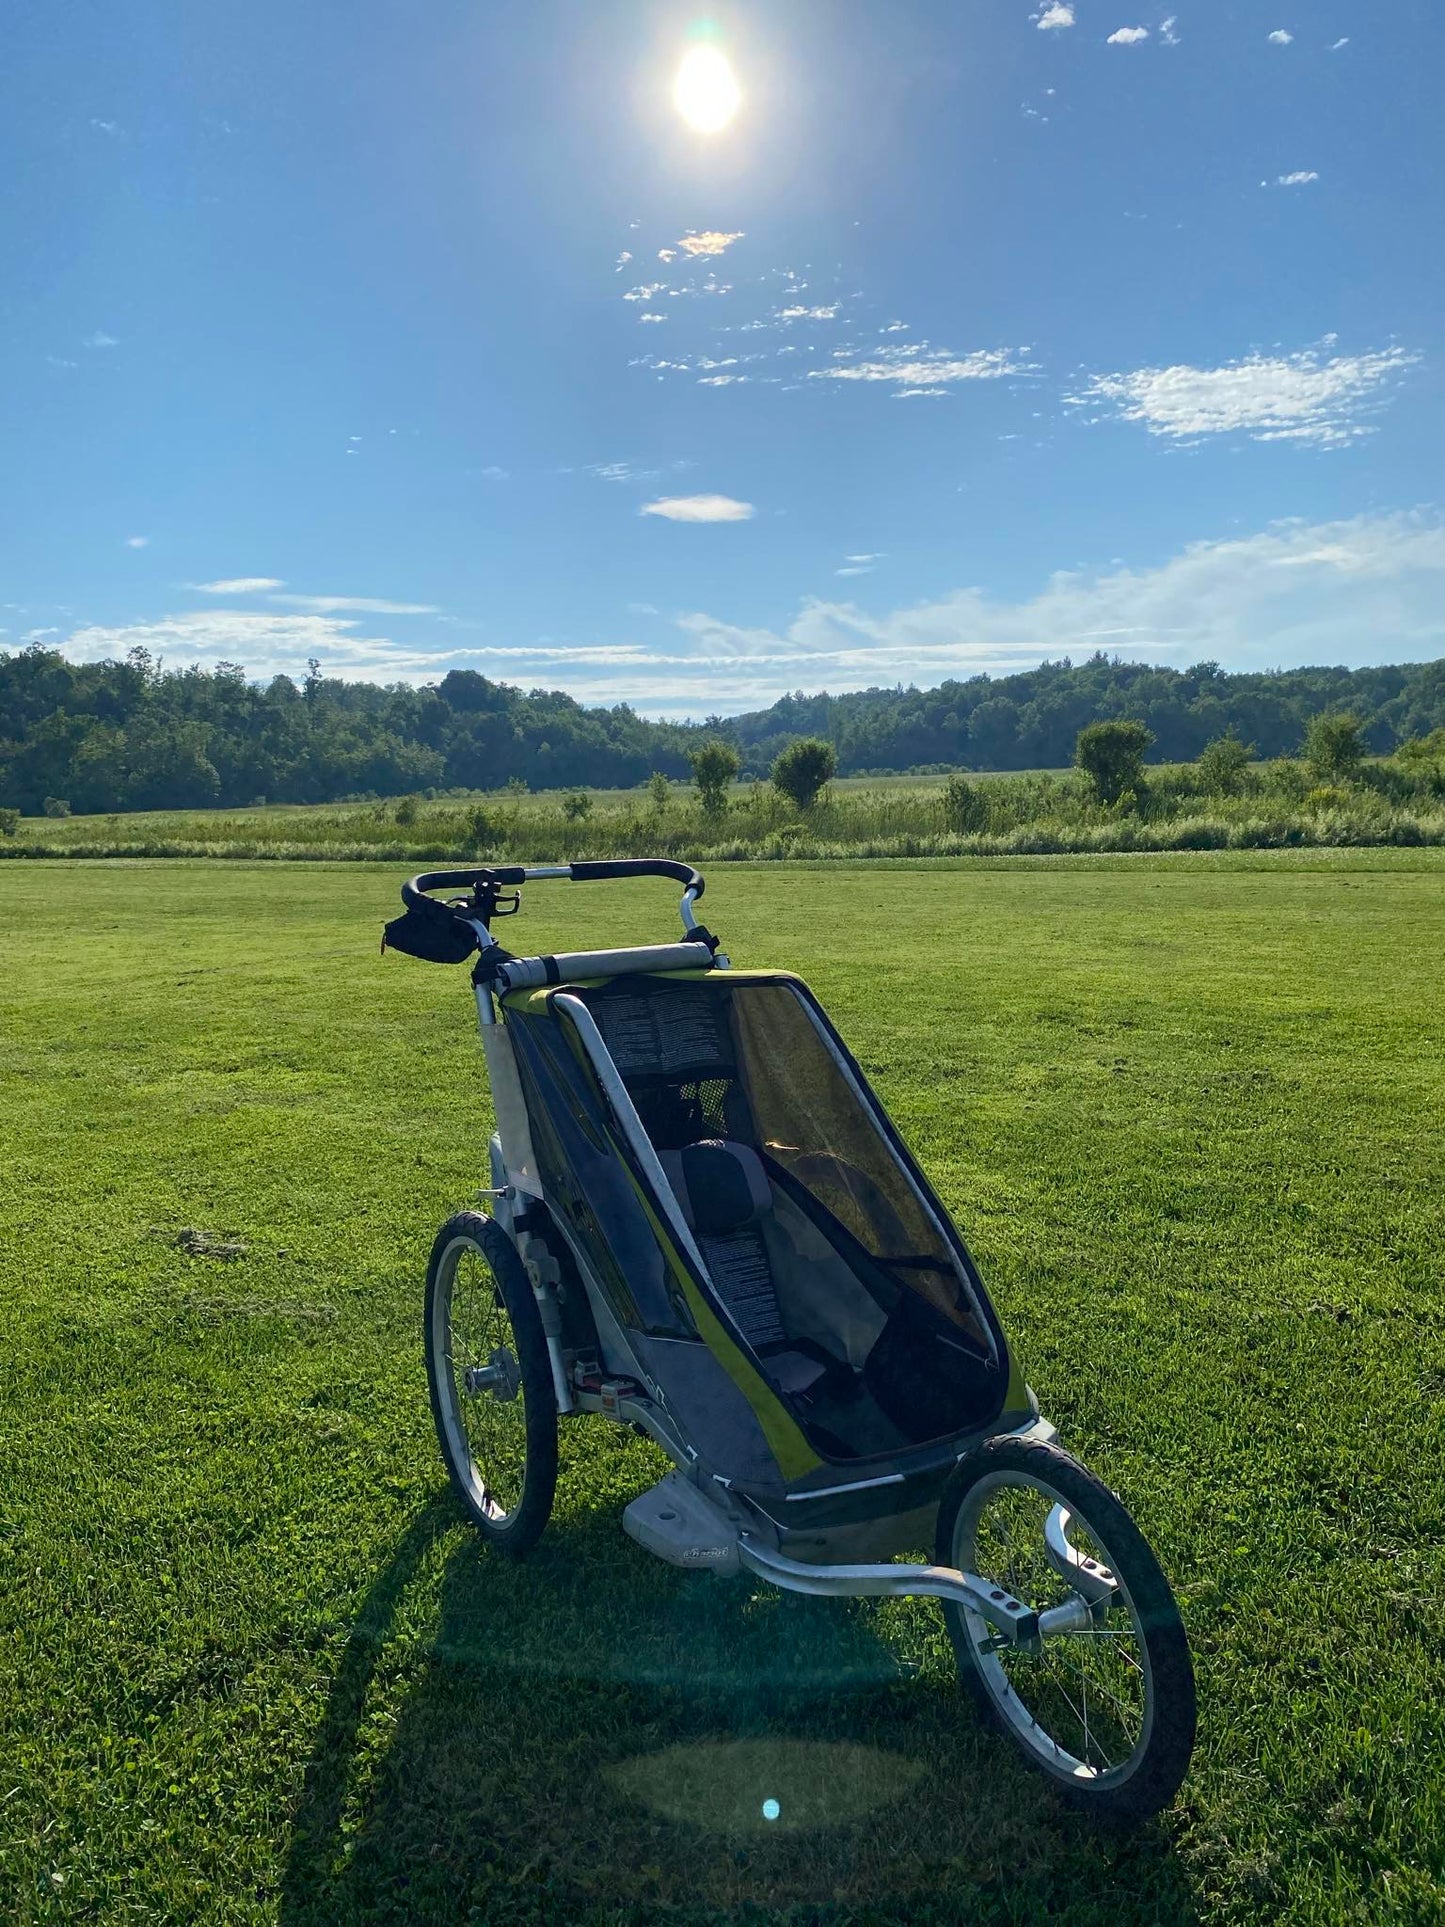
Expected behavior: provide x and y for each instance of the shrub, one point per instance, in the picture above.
(659, 792)
(1334, 746)
(481, 828)
(965, 807)
(406, 810)
(576, 806)
(1111, 755)
(803, 768)
(714, 765)
(56, 806)
(1222, 765)
(9, 822)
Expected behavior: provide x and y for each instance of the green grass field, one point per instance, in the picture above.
(252, 1668)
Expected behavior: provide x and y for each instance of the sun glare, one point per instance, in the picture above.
(706, 91)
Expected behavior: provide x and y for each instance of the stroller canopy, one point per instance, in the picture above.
(780, 1265)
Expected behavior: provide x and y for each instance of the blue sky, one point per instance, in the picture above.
(414, 338)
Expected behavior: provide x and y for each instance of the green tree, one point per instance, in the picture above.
(1334, 746)
(714, 765)
(1222, 764)
(577, 806)
(56, 806)
(659, 792)
(965, 807)
(9, 822)
(1112, 757)
(802, 769)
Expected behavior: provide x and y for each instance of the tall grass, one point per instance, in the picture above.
(1278, 806)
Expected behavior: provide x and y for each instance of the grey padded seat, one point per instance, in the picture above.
(724, 1194)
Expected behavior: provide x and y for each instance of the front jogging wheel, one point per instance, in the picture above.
(1103, 1700)
(491, 1381)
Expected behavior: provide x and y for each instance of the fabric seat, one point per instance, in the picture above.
(724, 1192)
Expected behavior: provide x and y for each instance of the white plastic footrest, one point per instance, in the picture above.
(677, 1523)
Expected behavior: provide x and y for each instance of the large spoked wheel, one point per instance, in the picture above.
(491, 1381)
(1104, 1703)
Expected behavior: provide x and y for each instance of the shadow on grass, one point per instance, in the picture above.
(591, 1736)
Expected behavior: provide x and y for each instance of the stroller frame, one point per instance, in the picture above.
(691, 1519)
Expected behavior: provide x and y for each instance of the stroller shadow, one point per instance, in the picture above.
(589, 1734)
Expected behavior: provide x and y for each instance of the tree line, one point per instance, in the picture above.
(133, 735)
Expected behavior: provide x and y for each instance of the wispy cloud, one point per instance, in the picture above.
(1300, 178)
(622, 472)
(1274, 398)
(1167, 32)
(1127, 36)
(327, 605)
(1281, 37)
(101, 340)
(491, 473)
(1343, 41)
(622, 260)
(137, 541)
(699, 508)
(914, 368)
(240, 585)
(823, 312)
(1060, 14)
(709, 242)
(1371, 588)
(1367, 589)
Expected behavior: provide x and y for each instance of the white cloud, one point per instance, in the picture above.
(267, 644)
(240, 585)
(326, 605)
(622, 472)
(137, 541)
(710, 242)
(1280, 37)
(652, 317)
(918, 368)
(876, 556)
(494, 474)
(1127, 36)
(622, 260)
(800, 313)
(1060, 14)
(647, 291)
(719, 381)
(100, 340)
(1369, 589)
(1300, 178)
(856, 568)
(1344, 42)
(1299, 397)
(699, 508)
(1166, 30)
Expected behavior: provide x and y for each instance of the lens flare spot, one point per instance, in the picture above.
(771, 1809)
(706, 92)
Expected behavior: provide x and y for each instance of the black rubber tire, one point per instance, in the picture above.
(1159, 1773)
(523, 1525)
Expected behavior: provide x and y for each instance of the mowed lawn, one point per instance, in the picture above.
(1189, 1111)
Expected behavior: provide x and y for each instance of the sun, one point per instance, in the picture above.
(706, 92)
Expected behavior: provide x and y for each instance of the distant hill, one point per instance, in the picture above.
(130, 735)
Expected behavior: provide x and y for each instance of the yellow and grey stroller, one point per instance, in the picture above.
(704, 1224)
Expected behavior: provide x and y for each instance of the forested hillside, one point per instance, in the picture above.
(131, 735)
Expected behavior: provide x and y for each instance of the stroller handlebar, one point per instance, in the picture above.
(509, 875)
(449, 932)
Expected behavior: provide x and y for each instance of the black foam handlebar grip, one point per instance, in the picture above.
(641, 866)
